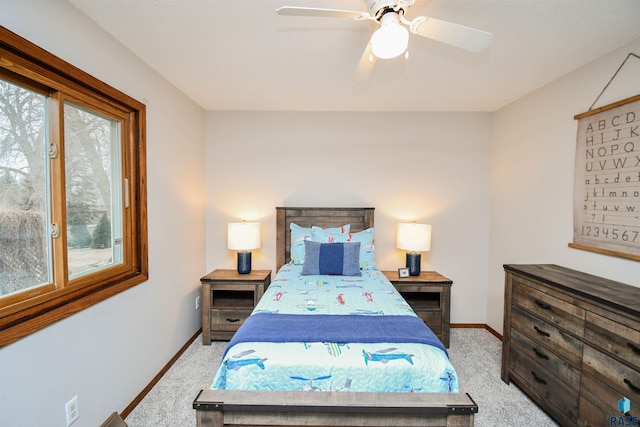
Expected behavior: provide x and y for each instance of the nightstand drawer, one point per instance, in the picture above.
(228, 319)
(433, 319)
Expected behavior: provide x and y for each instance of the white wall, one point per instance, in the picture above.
(427, 167)
(108, 353)
(533, 155)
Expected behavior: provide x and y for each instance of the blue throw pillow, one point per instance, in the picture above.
(331, 258)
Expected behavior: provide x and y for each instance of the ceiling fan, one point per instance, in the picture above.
(391, 38)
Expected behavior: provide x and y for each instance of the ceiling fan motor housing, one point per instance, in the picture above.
(377, 8)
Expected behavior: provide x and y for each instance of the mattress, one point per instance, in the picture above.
(334, 333)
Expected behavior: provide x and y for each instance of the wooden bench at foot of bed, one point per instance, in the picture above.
(217, 408)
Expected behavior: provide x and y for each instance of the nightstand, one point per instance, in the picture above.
(429, 295)
(228, 298)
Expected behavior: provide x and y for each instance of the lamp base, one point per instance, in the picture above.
(413, 263)
(244, 262)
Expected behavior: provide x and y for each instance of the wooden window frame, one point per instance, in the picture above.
(23, 316)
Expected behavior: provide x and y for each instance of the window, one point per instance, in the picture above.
(73, 226)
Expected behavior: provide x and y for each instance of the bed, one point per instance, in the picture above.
(369, 376)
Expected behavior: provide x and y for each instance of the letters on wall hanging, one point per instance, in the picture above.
(607, 180)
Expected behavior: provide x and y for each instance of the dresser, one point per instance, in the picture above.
(429, 295)
(571, 341)
(228, 298)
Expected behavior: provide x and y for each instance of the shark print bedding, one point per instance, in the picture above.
(335, 333)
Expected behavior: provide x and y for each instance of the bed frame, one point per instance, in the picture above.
(217, 408)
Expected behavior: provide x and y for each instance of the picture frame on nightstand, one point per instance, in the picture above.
(403, 272)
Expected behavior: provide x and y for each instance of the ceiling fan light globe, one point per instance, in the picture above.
(390, 40)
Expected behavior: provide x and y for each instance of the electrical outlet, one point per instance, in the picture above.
(197, 303)
(72, 410)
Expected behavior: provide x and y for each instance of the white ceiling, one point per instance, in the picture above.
(241, 55)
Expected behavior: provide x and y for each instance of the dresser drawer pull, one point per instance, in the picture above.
(538, 379)
(543, 305)
(540, 354)
(633, 347)
(232, 320)
(541, 332)
(632, 386)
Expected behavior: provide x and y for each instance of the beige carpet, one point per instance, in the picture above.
(475, 353)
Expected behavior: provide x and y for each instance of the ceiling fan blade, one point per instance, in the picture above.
(323, 13)
(454, 34)
(365, 65)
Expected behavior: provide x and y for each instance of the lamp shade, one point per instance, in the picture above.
(414, 237)
(391, 39)
(243, 236)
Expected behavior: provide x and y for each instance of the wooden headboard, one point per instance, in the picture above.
(359, 218)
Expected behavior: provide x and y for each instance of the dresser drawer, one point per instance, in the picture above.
(615, 338)
(228, 319)
(599, 402)
(555, 339)
(622, 378)
(553, 310)
(556, 366)
(554, 396)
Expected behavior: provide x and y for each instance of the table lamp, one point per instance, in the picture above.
(414, 238)
(243, 237)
